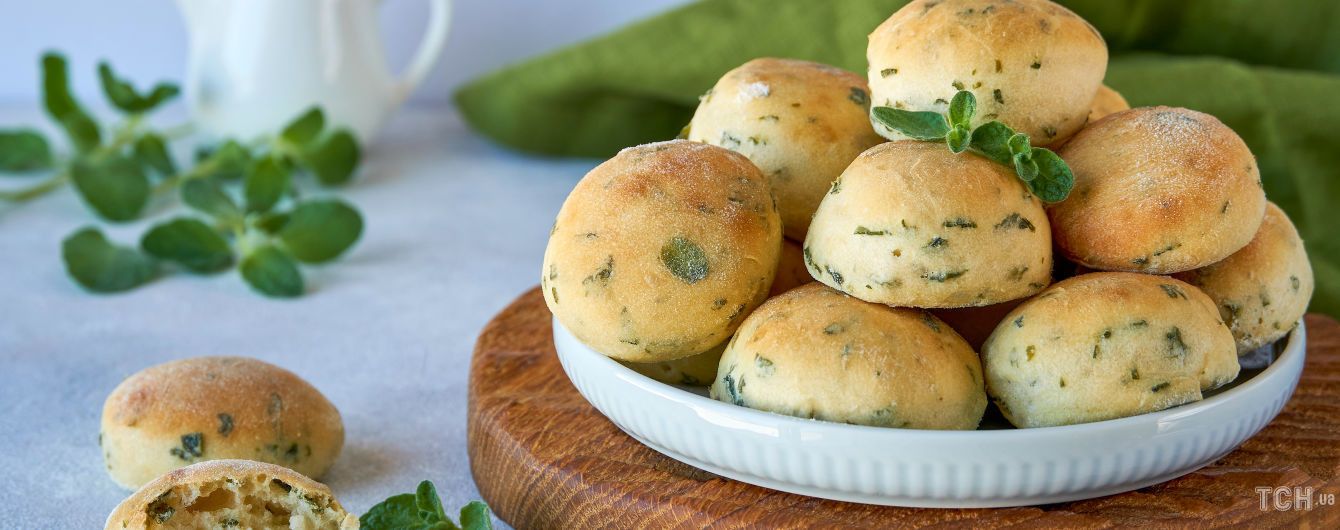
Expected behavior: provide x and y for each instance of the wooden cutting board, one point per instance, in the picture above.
(545, 458)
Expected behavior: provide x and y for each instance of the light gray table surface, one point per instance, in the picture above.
(455, 229)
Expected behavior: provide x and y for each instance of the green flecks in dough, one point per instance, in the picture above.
(859, 97)
(1176, 347)
(601, 277)
(837, 276)
(1166, 249)
(1019, 322)
(836, 186)
(943, 276)
(863, 231)
(1017, 273)
(888, 72)
(930, 321)
(685, 259)
(834, 328)
(1173, 291)
(764, 366)
(1160, 387)
(1015, 220)
(937, 242)
(1030, 352)
(959, 222)
(192, 447)
(1294, 283)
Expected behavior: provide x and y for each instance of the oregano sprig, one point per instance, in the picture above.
(422, 510)
(1046, 174)
(248, 210)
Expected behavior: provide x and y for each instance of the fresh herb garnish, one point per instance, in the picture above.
(1046, 174)
(245, 189)
(422, 510)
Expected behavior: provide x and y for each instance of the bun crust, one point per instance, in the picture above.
(791, 270)
(1032, 64)
(231, 494)
(800, 122)
(1158, 190)
(660, 252)
(1106, 102)
(1262, 290)
(817, 353)
(912, 224)
(208, 408)
(1106, 345)
(694, 370)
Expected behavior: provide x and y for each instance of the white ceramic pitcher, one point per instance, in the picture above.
(256, 64)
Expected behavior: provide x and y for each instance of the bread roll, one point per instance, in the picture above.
(1157, 190)
(800, 122)
(659, 252)
(1032, 64)
(791, 270)
(1107, 102)
(912, 224)
(209, 408)
(1106, 345)
(1262, 290)
(694, 370)
(817, 353)
(232, 494)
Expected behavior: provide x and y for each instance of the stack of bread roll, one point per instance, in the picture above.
(691, 260)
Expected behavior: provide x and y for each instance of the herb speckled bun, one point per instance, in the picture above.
(791, 270)
(818, 353)
(1157, 190)
(232, 494)
(1263, 289)
(1032, 64)
(1106, 345)
(208, 408)
(800, 122)
(1107, 102)
(694, 370)
(660, 252)
(912, 224)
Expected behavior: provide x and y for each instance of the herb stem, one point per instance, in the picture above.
(37, 190)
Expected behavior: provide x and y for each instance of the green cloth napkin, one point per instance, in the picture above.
(1270, 69)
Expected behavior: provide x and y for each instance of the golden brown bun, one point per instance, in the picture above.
(912, 224)
(208, 408)
(1107, 102)
(800, 122)
(791, 270)
(1032, 64)
(975, 324)
(1158, 190)
(1106, 345)
(694, 370)
(817, 353)
(231, 494)
(1263, 289)
(660, 252)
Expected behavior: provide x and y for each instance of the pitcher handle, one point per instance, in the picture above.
(434, 40)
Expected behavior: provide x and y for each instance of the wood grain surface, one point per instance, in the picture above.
(545, 458)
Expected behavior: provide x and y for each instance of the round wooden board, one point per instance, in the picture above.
(545, 458)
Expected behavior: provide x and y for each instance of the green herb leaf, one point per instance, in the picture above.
(476, 516)
(190, 243)
(321, 230)
(272, 272)
(305, 128)
(205, 194)
(334, 158)
(685, 259)
(1054, 180)
(271, 223)
(1018, 144)
(992, 140)
(422, 510)
(24, 150)
(1025, 167)
(266, 183)
(102, 267)
(961, 109)
(151, 151)
(959, 138)
(62, 107)
(124, 96)
(921, 125)
(230, 160)
(114, 185)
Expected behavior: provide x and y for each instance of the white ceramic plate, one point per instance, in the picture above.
(940, 469)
